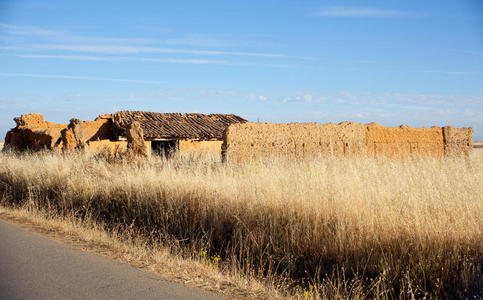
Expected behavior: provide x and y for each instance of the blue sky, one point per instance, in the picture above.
(418, 63)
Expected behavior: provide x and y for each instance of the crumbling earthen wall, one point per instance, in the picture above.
(99, 129)
(404, 141)
(300, 140)
(72, 137)
(35, 121)
(80, 133)
(112, 146)
(33, 132)
(457, 141)
(192, 146)
(135, 140)
(294, 141)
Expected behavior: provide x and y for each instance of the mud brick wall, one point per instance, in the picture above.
(33, 139)
(113, 146)
(33, 132)
(404, 141)
(294, 141)
(35, 121)
(88, 131)
(99, 129)
(248, 141)
(192, 146)
(457, 141)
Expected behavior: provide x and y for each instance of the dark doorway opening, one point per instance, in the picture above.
(164, 148)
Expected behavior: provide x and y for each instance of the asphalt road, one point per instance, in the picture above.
(35, 267)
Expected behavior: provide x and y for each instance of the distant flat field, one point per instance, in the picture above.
(478, 147)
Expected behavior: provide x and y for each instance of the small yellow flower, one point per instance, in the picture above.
(215, 259)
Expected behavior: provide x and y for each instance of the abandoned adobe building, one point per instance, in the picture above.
(162, 132)
(235, 139)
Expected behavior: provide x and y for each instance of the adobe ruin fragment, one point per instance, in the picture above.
(33, 133)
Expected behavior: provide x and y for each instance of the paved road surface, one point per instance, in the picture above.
(35, 267)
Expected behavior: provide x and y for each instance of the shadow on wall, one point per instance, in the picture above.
(34, 133)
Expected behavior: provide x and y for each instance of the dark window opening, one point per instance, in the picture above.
(164, 148)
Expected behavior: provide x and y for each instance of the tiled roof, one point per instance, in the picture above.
(175, 125)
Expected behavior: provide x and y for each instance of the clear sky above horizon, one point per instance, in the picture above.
(418, 63)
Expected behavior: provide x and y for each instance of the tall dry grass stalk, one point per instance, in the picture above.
(359, 228)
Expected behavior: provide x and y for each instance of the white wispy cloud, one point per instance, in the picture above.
(13, 48)
(33, 31)
(354, 11)
(26, 30)
(117, 58)
(306, 98)
(462, 73)
(419, 101)
(452, 72)
(200, 41)
(122, 49)
(182, 61)
(77, 77)
(60, 40)
(193, 61)
(190, 40)
(69, 57)
(378, 100)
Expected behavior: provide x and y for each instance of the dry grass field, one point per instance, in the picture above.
(328, 228)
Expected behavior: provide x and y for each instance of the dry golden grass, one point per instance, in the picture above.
(357, 228)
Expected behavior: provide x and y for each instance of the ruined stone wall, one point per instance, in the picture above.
(33, 132)
(301, 140)
(293, 141)
(404, 141)
(190, 146)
